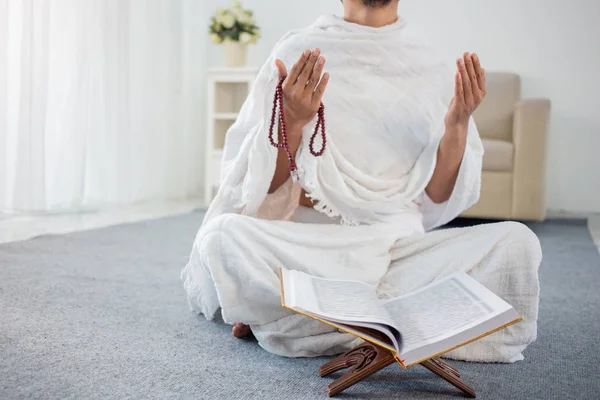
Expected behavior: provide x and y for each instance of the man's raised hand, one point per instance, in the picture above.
(469, 91)
(303, 87)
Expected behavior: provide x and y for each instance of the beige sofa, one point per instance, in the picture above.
(514, 135)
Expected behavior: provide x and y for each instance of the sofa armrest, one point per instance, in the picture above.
(530, 132)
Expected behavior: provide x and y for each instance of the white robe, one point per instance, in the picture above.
(385, 107)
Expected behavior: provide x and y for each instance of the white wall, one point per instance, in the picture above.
(552, 44)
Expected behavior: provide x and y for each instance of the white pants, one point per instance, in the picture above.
(234, 266)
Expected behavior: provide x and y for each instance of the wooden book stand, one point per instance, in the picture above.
(366, 359)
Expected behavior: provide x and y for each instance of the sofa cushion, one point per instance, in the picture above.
(498, 156)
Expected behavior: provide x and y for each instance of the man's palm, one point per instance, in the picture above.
(469, 91)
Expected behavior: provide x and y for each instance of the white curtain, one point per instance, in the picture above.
(99, 102)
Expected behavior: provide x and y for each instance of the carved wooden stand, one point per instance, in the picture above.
(367, 358)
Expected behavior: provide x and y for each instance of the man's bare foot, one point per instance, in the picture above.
(241, 331)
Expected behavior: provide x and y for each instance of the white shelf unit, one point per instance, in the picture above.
(227, 91)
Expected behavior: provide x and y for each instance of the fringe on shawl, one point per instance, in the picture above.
(315, 194)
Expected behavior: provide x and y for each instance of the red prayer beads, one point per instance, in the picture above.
(278, 104)
(320, 124)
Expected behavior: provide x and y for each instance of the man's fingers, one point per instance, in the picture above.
(309, 67)
(471, 71)
(297, 68)
(316, 75)
(466, 82)
(281, 68)
(479, 71)
(458, 88)
(320, 90)
(484, 80)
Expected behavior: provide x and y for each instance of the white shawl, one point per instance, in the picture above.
(385, 107)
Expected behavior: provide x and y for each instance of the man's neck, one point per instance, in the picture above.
(375, 17)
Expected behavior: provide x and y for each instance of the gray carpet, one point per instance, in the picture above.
(101, 314)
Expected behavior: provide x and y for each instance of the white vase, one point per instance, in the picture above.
(235, 54)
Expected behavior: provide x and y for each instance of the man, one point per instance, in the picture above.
(400, 156)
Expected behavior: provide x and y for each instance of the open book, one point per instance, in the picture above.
(415, 327)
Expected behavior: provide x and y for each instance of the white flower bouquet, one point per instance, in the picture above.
(235, 24)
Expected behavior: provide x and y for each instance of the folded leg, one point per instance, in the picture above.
(504, 257)
(234, 266)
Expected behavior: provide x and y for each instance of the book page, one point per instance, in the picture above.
(437, 310)
(350, 301)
